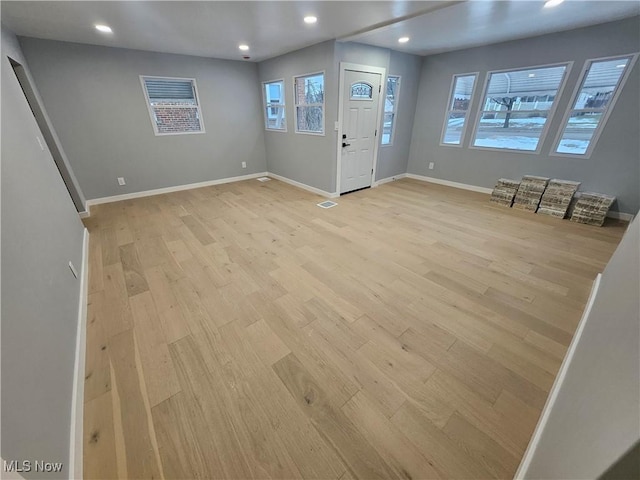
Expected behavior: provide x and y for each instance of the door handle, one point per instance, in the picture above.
(344, 144)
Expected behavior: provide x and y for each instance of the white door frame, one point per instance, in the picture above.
(383, 79)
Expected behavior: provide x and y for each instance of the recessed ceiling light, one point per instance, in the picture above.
(310, 19)
(104, 28)
(243, 47)
(531, 75)
(403, 39)
(552, 3)
(622, 65)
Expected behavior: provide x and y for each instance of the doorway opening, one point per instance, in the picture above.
(47, 134)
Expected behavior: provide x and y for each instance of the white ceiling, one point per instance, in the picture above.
(478, 22)
(271, 28)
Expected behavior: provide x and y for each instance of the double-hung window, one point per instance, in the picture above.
(309, 103)
(390, 109)
(173, 105)
(591, 104)
(517, 106)
(458, 108)
(274, 105)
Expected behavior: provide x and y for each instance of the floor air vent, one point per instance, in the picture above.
(263, 179)
(327, 204)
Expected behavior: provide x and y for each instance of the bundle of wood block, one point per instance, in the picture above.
(592, 208)
(504, 191)
(530, 192)
(557, 197)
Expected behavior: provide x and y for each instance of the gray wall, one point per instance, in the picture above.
(595, 419)
(95, 100)
(393, 159)
(41, 233)
(614, 165)
(309, 159)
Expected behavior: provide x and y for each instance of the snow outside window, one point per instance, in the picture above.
(601, 81)
(517, 106)
(390, 109)
(309, 101)
(458, 109)
(274, 106)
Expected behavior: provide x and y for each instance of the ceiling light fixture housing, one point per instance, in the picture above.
(552, 3)
(403, 39)
(243, 47)
(310, 19)
(103, 28)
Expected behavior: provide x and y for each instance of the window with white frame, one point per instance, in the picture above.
(173, 105)
(462, 89)
(390, 109)
(595, 97)
(517, 106)
(309, 102)
(274, 105)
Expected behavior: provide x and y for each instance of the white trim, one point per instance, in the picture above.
(377, 183)
(84, 214)
(77, 397)
(448, 183)
(177, 188)
(607, 111)
(626, 217)
(474, 188)
(265, 106)
(550, 113)
(447, 111)
(365, 69)
(324, 103)
(150, 110)
(396, 106)
(304, 186)
(557, 384)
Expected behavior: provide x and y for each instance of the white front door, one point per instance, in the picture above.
(360, 98)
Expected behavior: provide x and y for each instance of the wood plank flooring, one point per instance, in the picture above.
(239, 331)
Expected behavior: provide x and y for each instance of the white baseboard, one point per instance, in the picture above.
(177, 188)
(303, 186)
(557, 384)
(377, 183)
(627, 217)
(77, 398)
(448, 183)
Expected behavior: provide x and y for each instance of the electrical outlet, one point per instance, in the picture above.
(244, 164)
(121, 181)
(430, 165)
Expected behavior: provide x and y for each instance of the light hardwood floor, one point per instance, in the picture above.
(239, 331)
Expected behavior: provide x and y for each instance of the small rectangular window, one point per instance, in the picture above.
(458, 108)
(390, 109)
(593, 100)
(173, 105)
(309, 103)
(274, 105)
(516, 107)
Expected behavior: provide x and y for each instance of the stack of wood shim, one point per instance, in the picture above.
(530, 192)
(592, 208)
(504, 191)
(557, 197)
